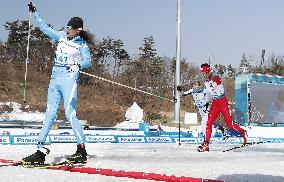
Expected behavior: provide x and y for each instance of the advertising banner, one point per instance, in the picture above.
(159, 139)
(188, 140)
(63, 139)
(4, 140)
(131, 139)
(25, 139)
(95, 139)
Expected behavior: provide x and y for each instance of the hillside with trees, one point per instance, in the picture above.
(102, 103)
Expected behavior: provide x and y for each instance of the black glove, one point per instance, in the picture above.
(207, 106)
(32, 7)
(179, 88)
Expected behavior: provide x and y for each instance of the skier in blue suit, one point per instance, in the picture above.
(201, 100)
(72, 54)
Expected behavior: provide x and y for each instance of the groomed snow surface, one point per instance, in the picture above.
(258, 163)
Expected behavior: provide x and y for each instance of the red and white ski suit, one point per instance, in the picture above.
(219, 104)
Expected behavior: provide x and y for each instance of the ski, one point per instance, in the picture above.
(65, 165)
(4, 162)
(10, 164)
(243, 145)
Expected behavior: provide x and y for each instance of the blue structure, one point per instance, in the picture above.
(258, 99)
(144, 127)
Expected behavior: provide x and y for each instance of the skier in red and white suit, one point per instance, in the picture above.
(219, 104)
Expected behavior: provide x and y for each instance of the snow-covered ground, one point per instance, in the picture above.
(258, 163)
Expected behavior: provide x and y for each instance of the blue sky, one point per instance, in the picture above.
(224, 28)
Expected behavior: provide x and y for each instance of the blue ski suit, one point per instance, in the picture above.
(200, 97)
(63, 83)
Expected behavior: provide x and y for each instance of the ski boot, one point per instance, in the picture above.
(203, 148)
(80, 155)
(37, 158)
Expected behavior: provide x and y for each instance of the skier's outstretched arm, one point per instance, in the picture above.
(47, 30)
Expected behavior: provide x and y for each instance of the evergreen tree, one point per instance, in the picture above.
(244, 65)
(152, 65)
(119, 54)
(17, 39)
(231, 71)
(220, 69)
(148, 49)
(276, 66)
(41, 50)
(109, 56)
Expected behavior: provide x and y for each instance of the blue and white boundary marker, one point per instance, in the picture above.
(27, 139)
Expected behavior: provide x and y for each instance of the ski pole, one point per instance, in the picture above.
(27, 58)
(122, 85)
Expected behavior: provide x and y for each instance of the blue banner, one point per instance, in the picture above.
(159, 139)
(63, 139)
(4, 140)
(130, 139)
(188, 140)
(23, 139)
(95, 139)
(27, 139)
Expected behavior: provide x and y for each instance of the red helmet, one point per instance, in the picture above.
(205, 68)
